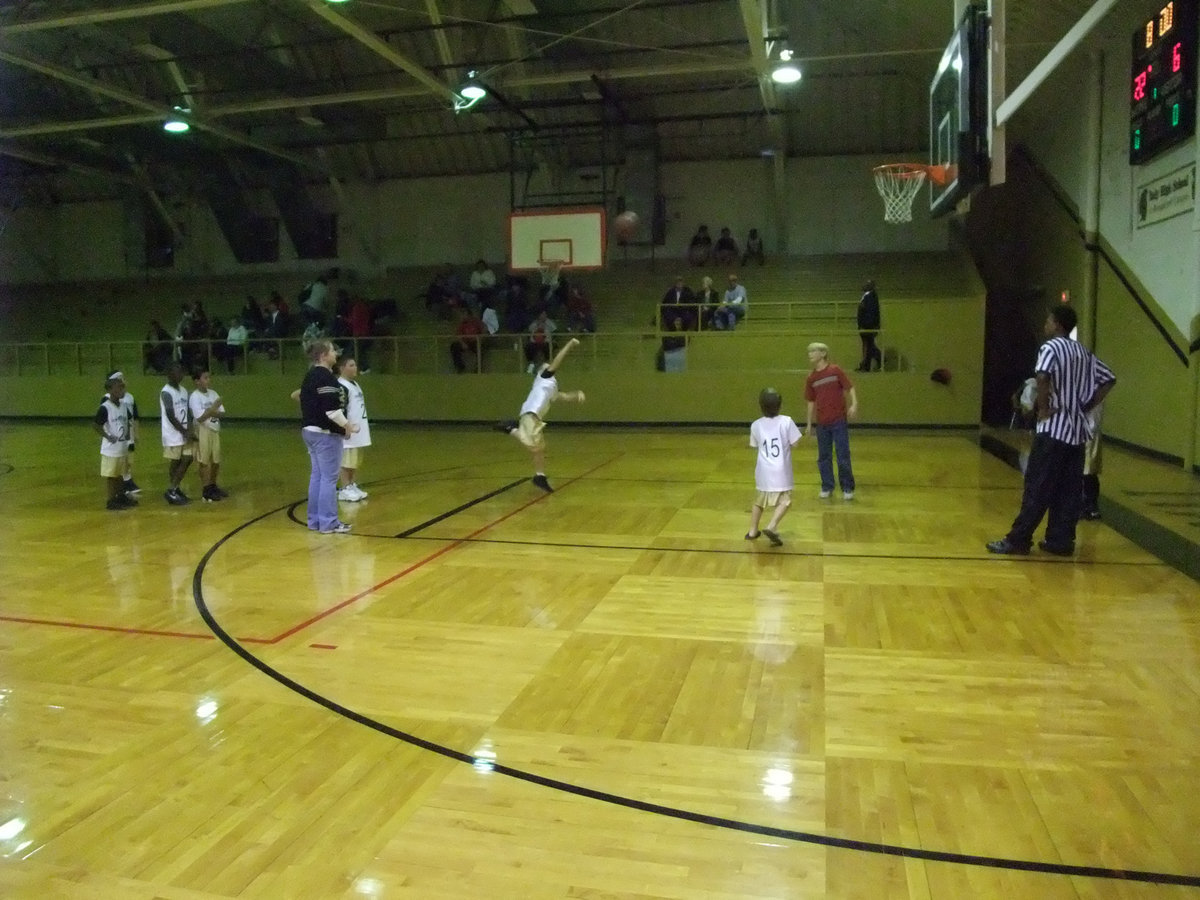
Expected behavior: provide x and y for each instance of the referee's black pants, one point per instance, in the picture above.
(1054, 485)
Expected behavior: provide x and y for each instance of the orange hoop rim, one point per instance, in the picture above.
(937, 174)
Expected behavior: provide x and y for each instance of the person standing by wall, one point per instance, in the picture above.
(1071, 383)
(868, 319)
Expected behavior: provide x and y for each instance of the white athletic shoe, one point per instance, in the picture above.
(362, 495)
(825, 495)
(847, 495)
(347, 495)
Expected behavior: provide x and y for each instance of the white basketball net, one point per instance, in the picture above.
(898, 185)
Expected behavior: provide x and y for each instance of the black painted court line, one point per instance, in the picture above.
(806, 837)
(458, 509)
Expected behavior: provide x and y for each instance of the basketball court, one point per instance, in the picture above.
(490, 691)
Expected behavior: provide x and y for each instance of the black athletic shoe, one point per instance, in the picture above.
(131, 487)
(1005, 548)
(775, 540)
(176, 498)
(540, 481)
(508, 426)
(116, 503)
(220, 494)
(126, 501)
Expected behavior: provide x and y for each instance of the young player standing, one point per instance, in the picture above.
(207, 409)
(111, 422)
(356, 414)
(774, 435)
(177, 436)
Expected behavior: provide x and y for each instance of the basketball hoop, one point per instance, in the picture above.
(899, 183)
(550, 269)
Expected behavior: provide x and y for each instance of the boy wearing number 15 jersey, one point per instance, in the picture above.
(773, 435)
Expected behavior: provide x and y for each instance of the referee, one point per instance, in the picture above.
(1071, 382)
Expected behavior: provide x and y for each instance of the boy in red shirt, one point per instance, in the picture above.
(831, 395)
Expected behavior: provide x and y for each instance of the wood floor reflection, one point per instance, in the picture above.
(609, 691)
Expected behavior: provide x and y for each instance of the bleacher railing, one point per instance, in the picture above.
(418, 354)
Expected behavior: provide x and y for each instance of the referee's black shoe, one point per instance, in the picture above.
(543, 483)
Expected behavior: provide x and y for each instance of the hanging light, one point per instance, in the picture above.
(177, 124)
(470, 93)
(785, 71)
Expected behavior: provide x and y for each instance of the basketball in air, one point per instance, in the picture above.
(625, 225)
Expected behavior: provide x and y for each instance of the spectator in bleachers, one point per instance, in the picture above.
(700, 248)
(672, 355)
(252, 315)
(360, 321)
(491, 321)
(482, 283)
(314, 301)
(156, 352)
(285, 312)
(236, 340)
(465, 348)
(517, 313)
(754, 248)
(580, 317)
(276, 328)
(677, 301)
(442, 294)
(537, 348)
(733, 306)
(725, 250)
(707, 301)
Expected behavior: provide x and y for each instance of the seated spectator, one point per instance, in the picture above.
(700, 248)
(157, 351)
(754, 248)
(537, 348)
(482, 283)
(275, 329)
(672, 355)
(465, 349)
(442, 295)
(491, 321)
(285, 311)
(339, 328)
(252, 315)
(580, 317)
(517, 315)
(733, 306)
(314, 301)
(360, 320)
(236, 341)
(555, 290)
(677, 301)
(725, 251)
(707, 301)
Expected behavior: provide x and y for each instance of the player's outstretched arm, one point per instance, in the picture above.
(562, 354)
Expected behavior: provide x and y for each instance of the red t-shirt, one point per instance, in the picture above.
(826, 388)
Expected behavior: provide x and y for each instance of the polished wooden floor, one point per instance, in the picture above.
(487, 692)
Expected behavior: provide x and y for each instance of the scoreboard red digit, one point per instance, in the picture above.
(1163, 81)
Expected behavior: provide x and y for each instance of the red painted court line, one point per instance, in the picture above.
(428, 559)
(119, 630)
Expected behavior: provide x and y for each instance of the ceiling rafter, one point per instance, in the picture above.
(161, 110)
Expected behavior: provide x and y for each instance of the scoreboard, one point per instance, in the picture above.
(1163, 81)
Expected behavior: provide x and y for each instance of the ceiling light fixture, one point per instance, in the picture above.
(470, 93)
(786, 71)
(177, 124)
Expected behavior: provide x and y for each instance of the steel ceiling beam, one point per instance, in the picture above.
(382, 48)
(46, 159)
(377, 95)
(160, 111)
(115, 15)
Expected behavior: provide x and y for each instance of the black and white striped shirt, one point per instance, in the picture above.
(1075, 375)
